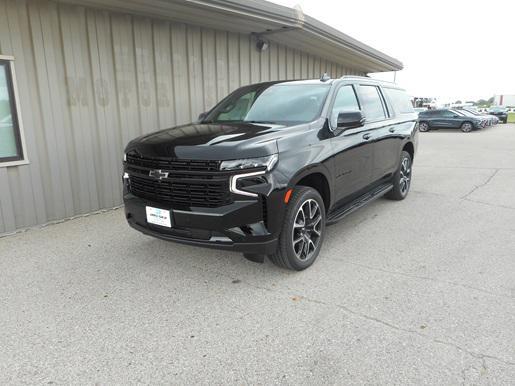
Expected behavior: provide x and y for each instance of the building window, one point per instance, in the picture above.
(11, 135)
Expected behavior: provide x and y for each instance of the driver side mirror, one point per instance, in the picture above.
(350, 120)
(202, 116)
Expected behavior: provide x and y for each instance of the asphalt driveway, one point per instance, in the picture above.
(420, 291)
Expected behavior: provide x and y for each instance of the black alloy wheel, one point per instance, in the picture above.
(423, 127)
(402, 178)
(466, 127)
(303, 230)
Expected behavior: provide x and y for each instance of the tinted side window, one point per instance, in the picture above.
(345, 100)
(371, 103)
(447, 114)
(400, 100)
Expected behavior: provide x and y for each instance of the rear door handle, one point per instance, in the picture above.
(366, 136)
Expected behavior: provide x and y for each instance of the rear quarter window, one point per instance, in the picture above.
(371, 103)
(400, 100)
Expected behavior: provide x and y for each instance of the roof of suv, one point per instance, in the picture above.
(344, 78)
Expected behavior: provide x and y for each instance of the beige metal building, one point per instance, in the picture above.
(80, 78)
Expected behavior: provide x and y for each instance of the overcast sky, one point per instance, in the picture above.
(452, 49)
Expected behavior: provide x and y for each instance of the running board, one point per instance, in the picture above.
(359, 202)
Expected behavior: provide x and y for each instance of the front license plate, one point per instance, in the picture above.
(159, 217)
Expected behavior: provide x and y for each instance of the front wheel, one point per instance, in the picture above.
(303, 230)
(467, 127)
(401, 178)
(423, 127)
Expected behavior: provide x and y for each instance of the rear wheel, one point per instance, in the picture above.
(401, 178)
(466, 127)
(423, 127)
(303, 230)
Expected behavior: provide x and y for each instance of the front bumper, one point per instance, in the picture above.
(240, 226)
(480, 124)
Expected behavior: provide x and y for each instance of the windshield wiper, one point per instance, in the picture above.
(264, 122)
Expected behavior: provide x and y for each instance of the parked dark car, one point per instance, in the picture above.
(266, 169)
(449, 119)
(500, 112)
(488, 118)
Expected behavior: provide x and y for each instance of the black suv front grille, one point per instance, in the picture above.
(189, 182)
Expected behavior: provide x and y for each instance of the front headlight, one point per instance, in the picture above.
(250, 163)
(124, 157)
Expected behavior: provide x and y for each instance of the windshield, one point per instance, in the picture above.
(283, 103)
(498, 109)
(468, 113)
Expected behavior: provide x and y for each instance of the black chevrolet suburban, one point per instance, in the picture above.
(271, 165)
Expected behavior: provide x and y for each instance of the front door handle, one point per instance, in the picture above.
(366, 136)
(391, 129)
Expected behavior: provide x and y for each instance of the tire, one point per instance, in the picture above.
(423, 127)
(401, 178)
(467, 127)
(292, 254)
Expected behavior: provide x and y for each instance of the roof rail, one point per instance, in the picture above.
(368, 78)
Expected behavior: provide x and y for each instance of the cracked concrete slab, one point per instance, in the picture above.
(414, 292)
(499, 190)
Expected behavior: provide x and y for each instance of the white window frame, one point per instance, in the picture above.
(21, 133)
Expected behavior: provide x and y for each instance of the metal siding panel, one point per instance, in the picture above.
(282, 62)
(195, 72)
(75, 98)
(53, 187)
(180, 68)
(317, 68)
(222, 84)
(304, 66)
(164, 74)
(297, 65)
(290, 65)
(8, 223)
(101, 95)
(144, 51)
(244, 60)
(311, 67)
(233, 46)
(274, 62)
(56, 84)
(264, 59)
(126, 81)
(209, 68)
(255, 71)
(86, 107)
(110, 107)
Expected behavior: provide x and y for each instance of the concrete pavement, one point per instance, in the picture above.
(420, 291)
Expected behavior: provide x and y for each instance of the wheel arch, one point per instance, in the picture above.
(318, 178)
(410, 148)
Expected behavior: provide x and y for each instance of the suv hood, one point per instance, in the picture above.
(209, 141)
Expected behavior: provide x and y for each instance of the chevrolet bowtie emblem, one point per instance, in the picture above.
(159, 174)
